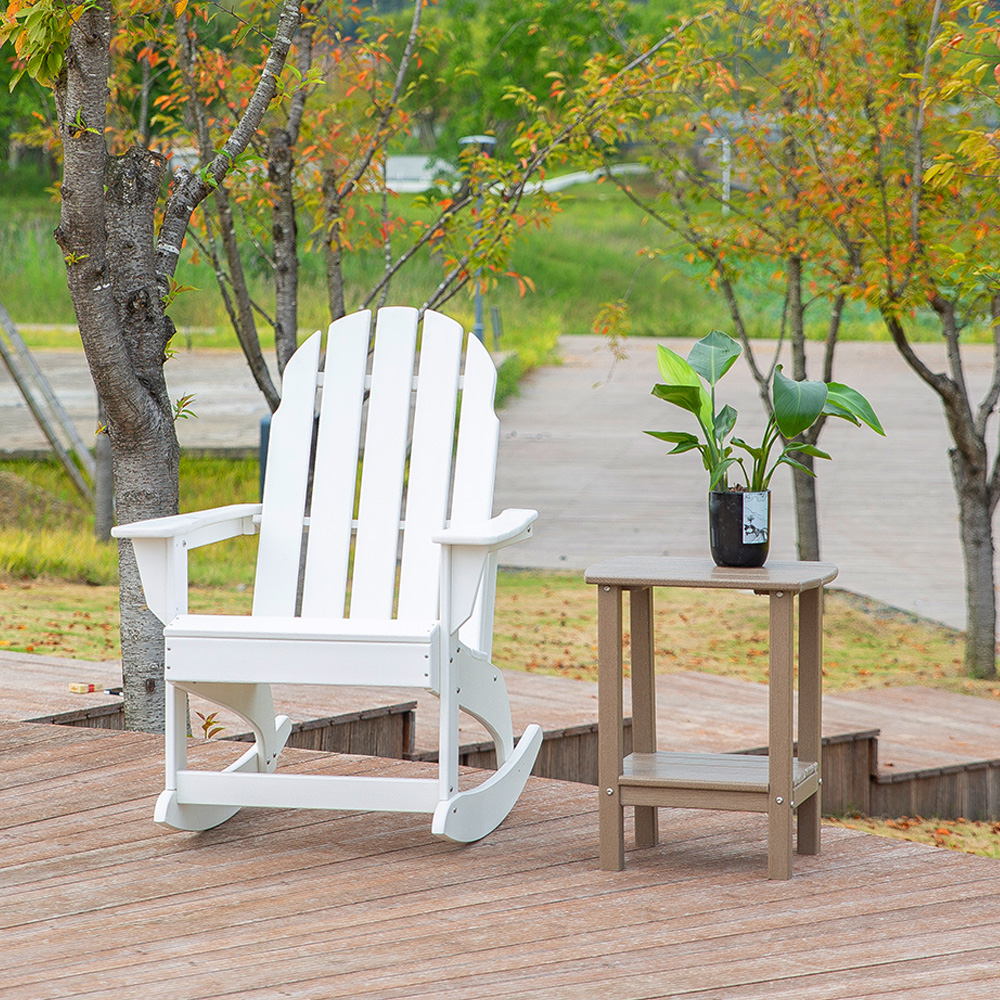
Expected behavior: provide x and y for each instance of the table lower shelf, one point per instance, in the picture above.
(707, 780)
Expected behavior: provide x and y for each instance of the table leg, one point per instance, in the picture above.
(779, 806)
(610, 734)
(811, 712)
(643, 700)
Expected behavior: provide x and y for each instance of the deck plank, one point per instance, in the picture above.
(99, 901)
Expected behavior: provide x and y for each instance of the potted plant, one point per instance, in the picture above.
(739, 515)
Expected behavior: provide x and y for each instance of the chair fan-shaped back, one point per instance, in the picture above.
(393, 407)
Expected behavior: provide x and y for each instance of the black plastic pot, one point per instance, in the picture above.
(739, 528)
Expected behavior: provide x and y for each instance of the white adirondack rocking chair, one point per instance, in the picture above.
(352, 623)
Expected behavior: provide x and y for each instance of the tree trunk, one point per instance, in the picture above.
(144, 92)
(976, 529)
(333, 252)
(145, 486)
(806, 511)
(246, 327)
(144, 446)
(124, 332)
(804, 486)
(973, 489)
(118, 273)
(281, 173)
(286, 258)
(106, 234)
(104, 488)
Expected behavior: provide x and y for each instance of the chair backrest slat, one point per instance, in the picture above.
(475, 474)
(429, 483)
(373, 581)
(285, 486)
(478, 438)
(336, 467)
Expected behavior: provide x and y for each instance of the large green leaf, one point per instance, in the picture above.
(807, 449)
(718, 472)
(677, 372)
(755, 453)
(687, 397)
(797, 405)
(725, 421)
(714, 355)
(675, 437)
(684, 441)
(674, 370)
(785, 460)
(842, 397)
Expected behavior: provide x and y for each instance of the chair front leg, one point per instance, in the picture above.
(448, 687)
(176, 734)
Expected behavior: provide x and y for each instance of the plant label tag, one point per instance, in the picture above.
(755, 518)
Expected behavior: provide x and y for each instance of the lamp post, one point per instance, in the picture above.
(485, 144)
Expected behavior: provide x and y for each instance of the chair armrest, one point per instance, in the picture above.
(161, 545)
(467, 549)
(197, 528)
(510, 526)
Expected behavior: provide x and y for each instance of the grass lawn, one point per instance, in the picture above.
(969, 836)
(60, 593)
(592, 253)
(60, 586)
(547, 623)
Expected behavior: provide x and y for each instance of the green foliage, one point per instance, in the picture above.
(501, 45)
(594, 243)
(182, 407)
(22, 109)
(797, 406)
(38, 31)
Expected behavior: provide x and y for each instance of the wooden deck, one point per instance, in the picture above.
(889, 751)
(98, 902)
(920, 728)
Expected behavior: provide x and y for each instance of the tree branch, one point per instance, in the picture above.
(191, 190)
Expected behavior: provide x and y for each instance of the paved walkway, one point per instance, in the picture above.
(572, 446)
(226, 399)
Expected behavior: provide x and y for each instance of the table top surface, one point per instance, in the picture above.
(672, 571)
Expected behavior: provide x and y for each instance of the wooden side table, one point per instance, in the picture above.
(648, 778)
